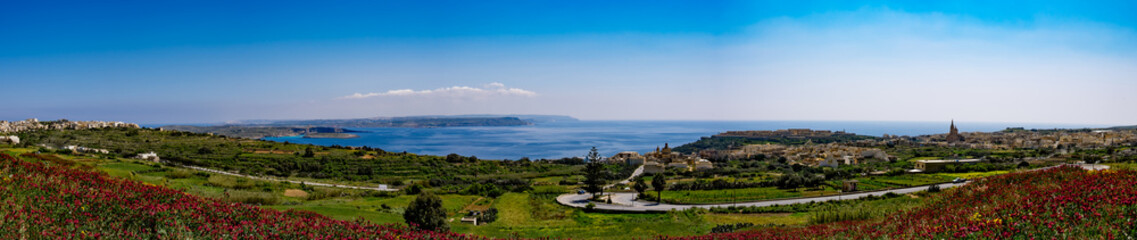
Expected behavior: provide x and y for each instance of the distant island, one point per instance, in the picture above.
(405, 122)
(337, 128)
(256, 132)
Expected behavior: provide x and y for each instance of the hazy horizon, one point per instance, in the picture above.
(208, 62)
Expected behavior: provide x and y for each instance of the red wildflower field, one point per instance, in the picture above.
(55, 202)
(1064, 203)
(41, 201)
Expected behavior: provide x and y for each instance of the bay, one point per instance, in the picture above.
(573, 139)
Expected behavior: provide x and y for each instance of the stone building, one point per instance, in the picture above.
(150, 156)
(953, 135)
(663, 158)
(10, 139)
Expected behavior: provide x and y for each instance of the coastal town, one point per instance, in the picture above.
(824, 148)
(32, 124)
(660, 160)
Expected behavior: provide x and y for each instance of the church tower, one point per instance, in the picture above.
(953, 134)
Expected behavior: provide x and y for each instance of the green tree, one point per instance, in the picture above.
(308, 153)
(640, 186)
(659, 183)
(426, 213)
(594, 173)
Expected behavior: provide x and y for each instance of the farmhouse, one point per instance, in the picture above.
(150, 156)
(10, 139)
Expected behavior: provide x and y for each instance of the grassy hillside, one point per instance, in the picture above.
(41, 201)
(1065, 202)
(256, 157)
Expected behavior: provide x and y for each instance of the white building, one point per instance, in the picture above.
(151, 156)
(703, 164)
(651, 167)
(10, 139)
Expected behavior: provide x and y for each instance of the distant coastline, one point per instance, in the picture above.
(331, 135)
(573, 139)
(338, 128)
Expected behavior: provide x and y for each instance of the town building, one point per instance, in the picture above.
(663, 158)
(653, 168)
(953, 134)
(79, 149)
(10, 139)
(630, 158)
(150, 156)
(703, 164)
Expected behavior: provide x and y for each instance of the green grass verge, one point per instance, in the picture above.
(740, 195)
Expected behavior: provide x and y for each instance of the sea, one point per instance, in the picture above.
(561, 139)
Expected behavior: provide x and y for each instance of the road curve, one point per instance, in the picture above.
(624, 202)
(639, 171)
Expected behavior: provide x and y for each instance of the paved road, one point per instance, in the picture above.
(637, 172)
(623, 201)
(381, 187)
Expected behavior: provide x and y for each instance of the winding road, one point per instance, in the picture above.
(623, 201)
(639, 171)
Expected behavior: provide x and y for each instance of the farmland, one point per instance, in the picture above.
(1065, 202)
(75, 203)
(524, 196)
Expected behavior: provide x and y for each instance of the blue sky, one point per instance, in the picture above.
(201, 61)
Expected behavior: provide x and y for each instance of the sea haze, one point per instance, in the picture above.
(569, 139)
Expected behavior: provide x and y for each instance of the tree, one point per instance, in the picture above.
(426, 213)
(413, 189)
(308, 153)
(593, 155)
(594, 173)
(640, 186)
(659, 183)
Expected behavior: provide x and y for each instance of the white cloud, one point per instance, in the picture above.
(489, 90)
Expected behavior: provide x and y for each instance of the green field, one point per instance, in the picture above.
(526, 215)
(972, 175)
(908, 180)
(299, 161)
(1122, 166)
(531, 214)
(740, 195)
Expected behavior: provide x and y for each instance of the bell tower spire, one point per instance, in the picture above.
(953, 134)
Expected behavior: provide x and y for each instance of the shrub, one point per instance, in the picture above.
(413, 189)
(426, 213)
(488, 216)
(730, 227)
(178, 174)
